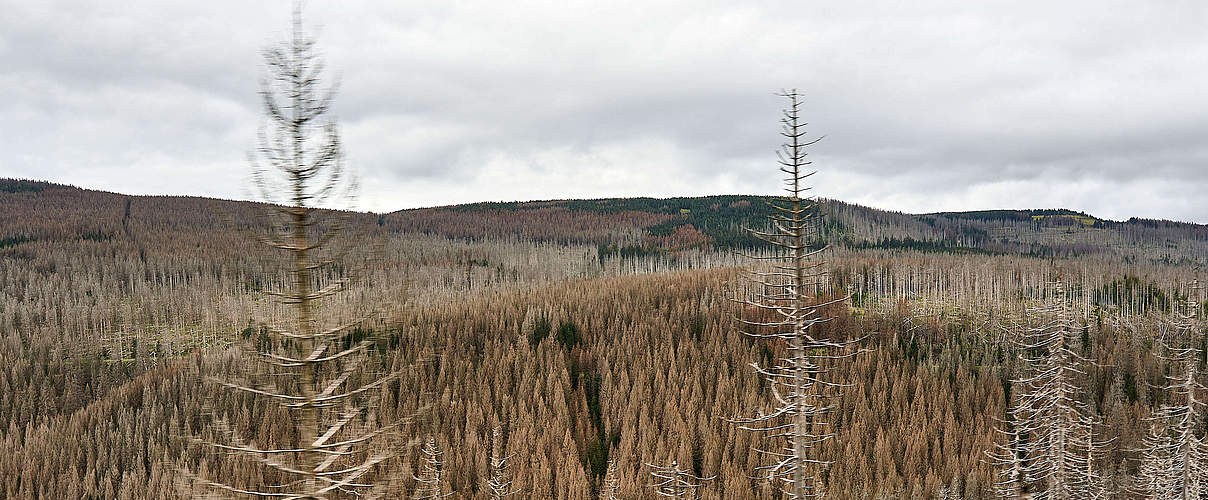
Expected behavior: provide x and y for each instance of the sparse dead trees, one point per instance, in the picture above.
(430, 481)
(1174, 463)
(786, 301)
(674, 481)
(500, 482)
(1175, 460)
(313, 364)
(1051, 450)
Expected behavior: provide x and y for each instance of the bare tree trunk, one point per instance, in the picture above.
(674, 481)
(789, 291)
(1050, 411)
(335, 449)
(500, 482)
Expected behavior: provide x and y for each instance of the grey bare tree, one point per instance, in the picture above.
(312, 363)
(786, 300)
(674, 481)
(430, 481)
(1174, 460)
(612, 482)
(1057, 460)
(500, 482)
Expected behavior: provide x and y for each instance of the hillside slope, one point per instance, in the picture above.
(631, 226)
(32, 211)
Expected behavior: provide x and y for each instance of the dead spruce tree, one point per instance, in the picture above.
(1008, 459)
(1050, 450)
(785, 301)
(674, 481)
(311, 364)
(611, 483)
(430, 481)
(1174, 463)
(1175, 460)
(500, 482)
(1091, 478)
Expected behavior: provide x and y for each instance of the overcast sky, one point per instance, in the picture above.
(926, 106)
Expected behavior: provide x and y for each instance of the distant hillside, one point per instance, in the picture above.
(643, 225)
(33, 211)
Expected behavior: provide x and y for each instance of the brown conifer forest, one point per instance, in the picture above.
(600, 337)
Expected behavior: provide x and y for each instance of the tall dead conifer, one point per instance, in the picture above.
(1174, 462)
(1051, 451)
(611, 483)
(788, 296)
(674, 481)
(500, 482)
(430, 481)
(312, 364)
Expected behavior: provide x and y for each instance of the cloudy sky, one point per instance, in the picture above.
(926, 106)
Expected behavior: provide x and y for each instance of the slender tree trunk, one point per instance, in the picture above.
(802, 418)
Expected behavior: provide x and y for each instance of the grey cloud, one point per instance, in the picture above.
(925, 105)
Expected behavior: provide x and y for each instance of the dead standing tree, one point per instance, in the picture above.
(675, 481)
(611, 483)
(789, 294)
(313, 365)
(1174, 462)
(1057, 458)
(430, 481)
(500, 482)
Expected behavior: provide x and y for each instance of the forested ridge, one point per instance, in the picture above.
(642, 224)
(719, 222)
